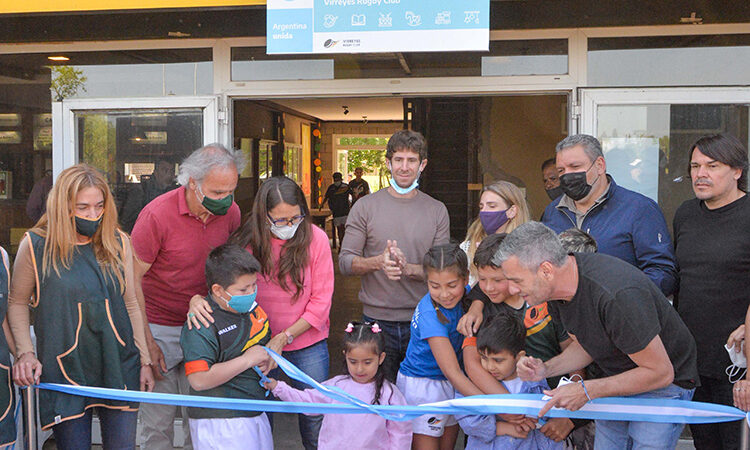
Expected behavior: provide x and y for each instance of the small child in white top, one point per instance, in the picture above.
(363, 348)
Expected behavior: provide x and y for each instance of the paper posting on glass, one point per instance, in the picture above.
(634, 163)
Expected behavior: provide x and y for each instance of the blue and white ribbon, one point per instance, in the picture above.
(613, 408)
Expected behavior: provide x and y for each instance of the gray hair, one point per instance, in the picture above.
(532, 243)
(575, 240)
(591, 145)
(206, 158)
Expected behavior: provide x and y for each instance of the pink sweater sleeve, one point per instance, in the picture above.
(289, 394)
(318, 308)
(399, 433)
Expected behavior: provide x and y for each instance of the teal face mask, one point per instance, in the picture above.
(242, 303)
(216, 207)
(87, 227)
(404, 191)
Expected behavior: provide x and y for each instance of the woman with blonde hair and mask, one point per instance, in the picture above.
(502, 209)
(295, 285)
(75, 267)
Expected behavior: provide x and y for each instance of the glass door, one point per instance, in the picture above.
(646, 134)
(137, 144)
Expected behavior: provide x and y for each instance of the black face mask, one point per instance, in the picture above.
(574, 184)
(87, 227)
(554, 192)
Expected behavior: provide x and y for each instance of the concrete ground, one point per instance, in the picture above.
(346, 307)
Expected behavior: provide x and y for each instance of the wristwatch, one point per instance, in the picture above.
(289, 337)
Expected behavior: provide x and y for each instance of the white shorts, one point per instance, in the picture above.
(245, 432)
(426, 390)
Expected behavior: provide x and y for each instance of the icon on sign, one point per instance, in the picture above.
(358, 20)
(329, 20)
(329, 43)
(385, 20)
(443, 18)
(414, 20)
(471, 16)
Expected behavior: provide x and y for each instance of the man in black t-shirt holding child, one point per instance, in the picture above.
(617, 318)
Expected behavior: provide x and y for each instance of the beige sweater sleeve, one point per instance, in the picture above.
(23, 290)
(131, 303)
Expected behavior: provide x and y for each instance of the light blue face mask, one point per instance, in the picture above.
(242, 303)
(404, 191)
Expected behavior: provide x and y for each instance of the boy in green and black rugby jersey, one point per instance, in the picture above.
(219, 359)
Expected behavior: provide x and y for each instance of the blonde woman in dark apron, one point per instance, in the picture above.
(75, 268)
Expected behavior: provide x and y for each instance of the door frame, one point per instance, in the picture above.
(64, 130)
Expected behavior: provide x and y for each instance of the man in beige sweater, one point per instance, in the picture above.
(387, 235)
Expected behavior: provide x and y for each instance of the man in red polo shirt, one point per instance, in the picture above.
(172, 238)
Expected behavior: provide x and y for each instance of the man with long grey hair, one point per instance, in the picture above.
(625, 224)
(172, 238)
(617, 318)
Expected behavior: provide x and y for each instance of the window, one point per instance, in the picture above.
(669, 60)
(365, 151)
(647, 146)
(265, 158)
(138, 151)
(293, 162)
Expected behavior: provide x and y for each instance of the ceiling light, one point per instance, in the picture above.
(346, 109)
(58, 58)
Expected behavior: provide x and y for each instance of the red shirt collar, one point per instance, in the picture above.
(182, 206)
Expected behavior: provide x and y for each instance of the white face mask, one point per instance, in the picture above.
(739, 362)
(284, 232)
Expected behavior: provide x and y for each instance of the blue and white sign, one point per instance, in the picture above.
(368, 26)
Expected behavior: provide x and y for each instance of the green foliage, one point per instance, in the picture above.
(99, 137)
(369, 160)
(363, 141)
(66, 81)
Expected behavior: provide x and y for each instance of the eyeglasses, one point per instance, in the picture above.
(291, 221)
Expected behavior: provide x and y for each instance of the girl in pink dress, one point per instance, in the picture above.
(365, 379)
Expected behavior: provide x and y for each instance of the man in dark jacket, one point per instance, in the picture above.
(625, 224)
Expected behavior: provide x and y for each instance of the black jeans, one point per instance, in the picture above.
(719, 436)
(396, 340)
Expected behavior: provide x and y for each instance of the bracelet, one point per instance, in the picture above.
(585, 391)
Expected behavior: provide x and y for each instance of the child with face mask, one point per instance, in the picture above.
(221, 360)
(295, 282)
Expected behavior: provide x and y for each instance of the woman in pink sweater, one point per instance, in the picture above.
(295, 286)
(364, 351)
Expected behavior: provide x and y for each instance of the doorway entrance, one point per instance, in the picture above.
(472, 141)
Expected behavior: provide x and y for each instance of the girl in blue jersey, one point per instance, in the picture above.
(431, 371)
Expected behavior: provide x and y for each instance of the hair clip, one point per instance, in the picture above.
(375, 328)
(349, 327)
